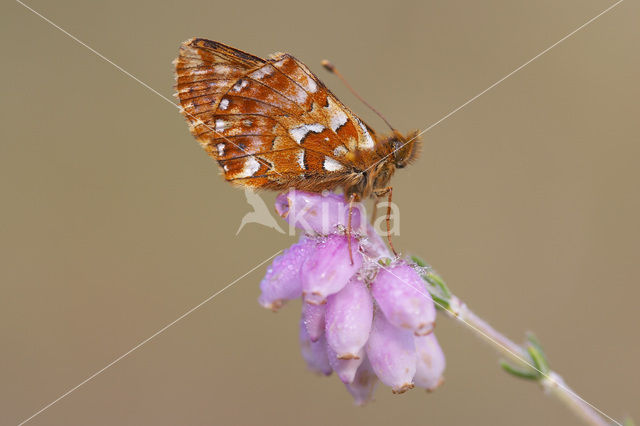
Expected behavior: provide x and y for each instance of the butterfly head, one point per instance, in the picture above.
(405, 148)
(397, 151)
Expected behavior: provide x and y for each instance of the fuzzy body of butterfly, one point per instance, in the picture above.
(272, 124)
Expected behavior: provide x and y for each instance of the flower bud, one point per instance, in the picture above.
(282, 281)
(402, 296)
(348, 319)
(363, 384)
(329, 269)
(314, 353)
(318, 214)
(431, 362)
(392, 355)
(313, 319)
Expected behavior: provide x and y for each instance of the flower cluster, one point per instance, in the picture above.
(365, 316)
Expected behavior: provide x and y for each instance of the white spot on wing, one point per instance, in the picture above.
(224, 104)
(332, 165)
(299, 133)
(300, 158)
(241, 84)
(301, 96)
(220, 147)
(340, 151)
(221, 125)
(251, 166)
(367, 143)
(337, 117)
(311, 85)
(262, 72)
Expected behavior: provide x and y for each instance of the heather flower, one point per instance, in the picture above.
(314, 353)
(365, 316)
(348, 319)
(392, 354)
(282, 281)
(401, 295)
(313, 319)
(329, 269)
(430, 363)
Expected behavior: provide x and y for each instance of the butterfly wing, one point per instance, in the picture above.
(269, 123)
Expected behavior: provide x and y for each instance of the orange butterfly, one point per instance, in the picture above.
(273, 124)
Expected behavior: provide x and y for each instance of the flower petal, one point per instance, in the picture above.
(348, 319)
(313, 317)
(318, 214)
(329, 269)
(282, 280)
(392, 354)
(314, 353)
(402, 296)
(431, 362)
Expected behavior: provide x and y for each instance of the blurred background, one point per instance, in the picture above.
(115, 222)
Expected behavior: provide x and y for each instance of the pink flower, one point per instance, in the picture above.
(282, 281)
(329, 269)
(365, 321)
(431, 362)
(348, 320)
(392, 354)
(402, 296)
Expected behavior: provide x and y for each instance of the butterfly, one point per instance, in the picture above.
(272, 124)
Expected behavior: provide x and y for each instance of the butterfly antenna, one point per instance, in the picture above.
(331, 68)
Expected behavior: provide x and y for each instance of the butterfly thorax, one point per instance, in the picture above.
(392, 152)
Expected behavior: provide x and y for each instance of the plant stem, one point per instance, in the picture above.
(552, 383)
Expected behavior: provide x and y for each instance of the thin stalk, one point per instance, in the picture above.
(552, 383)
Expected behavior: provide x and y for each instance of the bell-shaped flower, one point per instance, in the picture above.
(314, 353)
(348, 319)
(402, 296)
(329, 269)
(282, 281)
(363, 384)
(392, 354)
(313, 319)
(431, 362)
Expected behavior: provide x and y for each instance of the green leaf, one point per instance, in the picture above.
(437, 280)
(441, 304)
(519, 372)
(533, 340)
(538, 359)
(418, 261)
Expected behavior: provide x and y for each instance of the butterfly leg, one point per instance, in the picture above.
(351, 200)
(375, 209)
(388, 191)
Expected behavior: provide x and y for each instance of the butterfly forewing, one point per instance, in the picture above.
(269, 123)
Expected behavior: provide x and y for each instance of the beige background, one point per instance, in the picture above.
(114, 222)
